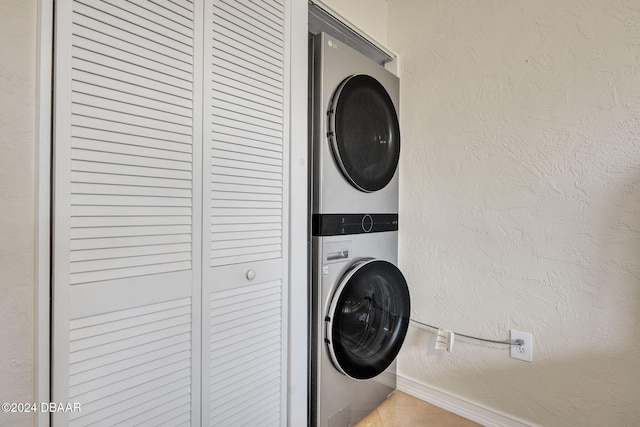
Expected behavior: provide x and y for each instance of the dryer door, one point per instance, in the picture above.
(364, 132)
(367, 319)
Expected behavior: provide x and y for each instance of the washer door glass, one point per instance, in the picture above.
(364, 132)
(368, 319)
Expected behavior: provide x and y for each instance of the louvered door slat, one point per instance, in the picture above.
(237, 222)
(237, 106)
(177, 113)
(239, 66)
(133, 44)
(87, 370)
(98, 199)
(232, 59)
(133, 190)
(272, 127)
(249, 182)
(104, 141)
(251, 53)
(261, 205)
(139, 211)
(170, 16)
(94, 41)
(248, 173)
(239, 259)
(117, 179)
(124, 221)
(261, 26)
(226, 138)
(151, 26)
(124, 263)
(262, 14)
(175, 8)
(125, 242)
(242, 161)
(229, 196)
(117, 154)
(125, 29)
(96, 254)
(129, 129)
(93, 76)
(236, 54)
(168, 363)
(164, 415)
(185, 4)
(91, 327)
(160, 23)
(233, 413)
(273, 7)
(115, 103)
(162, 419)
(143, 230)
(112, 274)
(247, 335)
(89, 61)
(135, 401)
(246, 379)
(130, 148)
(237, 129)
(243, 384)
(243, 234)
(246, 87)
(115, 168)
(224, 189)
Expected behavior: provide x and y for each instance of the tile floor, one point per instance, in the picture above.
(402, 410)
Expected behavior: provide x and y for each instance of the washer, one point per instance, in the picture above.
(355, 131)
(359, 318)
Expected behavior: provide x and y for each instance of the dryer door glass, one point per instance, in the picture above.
(364, 133)
(368, 319)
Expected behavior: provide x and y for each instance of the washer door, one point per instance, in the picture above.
(364, 132)
(367, 319)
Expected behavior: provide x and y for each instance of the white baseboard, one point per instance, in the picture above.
(457, 405)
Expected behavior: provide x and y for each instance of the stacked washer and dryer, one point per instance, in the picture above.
(359, 300)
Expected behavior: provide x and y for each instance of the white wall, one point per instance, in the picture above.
(520, 201)
(17, 194)
(370, 16)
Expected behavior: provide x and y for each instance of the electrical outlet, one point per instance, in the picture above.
(524, 351)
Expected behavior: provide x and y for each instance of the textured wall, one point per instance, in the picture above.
(520, 200)
(17, 151)
(370, 16)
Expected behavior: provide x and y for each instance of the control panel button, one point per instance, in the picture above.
(367, 223)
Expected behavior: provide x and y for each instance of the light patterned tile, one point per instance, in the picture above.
(402, 410)
(371, 420)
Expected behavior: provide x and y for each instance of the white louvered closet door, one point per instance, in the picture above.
(127, 212)
(244, 373)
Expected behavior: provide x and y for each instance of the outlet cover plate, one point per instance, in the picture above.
(525, 351)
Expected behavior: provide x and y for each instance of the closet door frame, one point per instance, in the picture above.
(43, 127)
(298, 208)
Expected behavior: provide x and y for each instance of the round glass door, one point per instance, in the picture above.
(364, 132)
(368, 319)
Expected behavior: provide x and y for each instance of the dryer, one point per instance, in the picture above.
(355, 131)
